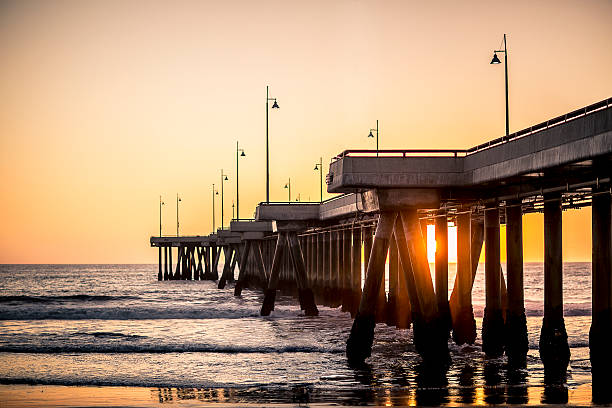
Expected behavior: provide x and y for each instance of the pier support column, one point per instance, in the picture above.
(600, 335)
(464, 325)
(347, 276)
(517, 343)
(305, 295)
(167, 261)
(359, 344)
(242, 268)
(404, 300)
(229, 254)
(392, 315)
(270, 292)
(326, 268)
(355, 271)
(554, 349)
(441, 275)
(430, 334)
(159, 273)
(334, 270)
(493, 321)
(214, 269)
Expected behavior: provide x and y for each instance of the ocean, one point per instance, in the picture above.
(98, 331)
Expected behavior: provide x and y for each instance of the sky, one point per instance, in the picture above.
(106, 105)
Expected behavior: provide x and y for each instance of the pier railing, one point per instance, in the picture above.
(559, 120)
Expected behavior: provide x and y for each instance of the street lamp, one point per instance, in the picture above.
(288, 185)
(213, 206)
(177, 214)
(160, 223)
(496, 60)
(238, 191)
(319, 166)
(371, 135)
(274, 106)
(223, 178)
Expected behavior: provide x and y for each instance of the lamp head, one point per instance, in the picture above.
(370, 135)
(286, 185)
(316, 167)
(495, 60)
(225, 178)
(242, 154)
(216, 192)
(275, 105)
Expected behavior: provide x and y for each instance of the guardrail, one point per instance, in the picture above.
(559, 120)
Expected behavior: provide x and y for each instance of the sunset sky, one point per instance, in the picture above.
(106, 105)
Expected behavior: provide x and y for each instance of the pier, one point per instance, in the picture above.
(315, 251)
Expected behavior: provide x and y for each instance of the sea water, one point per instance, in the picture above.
(116, 325)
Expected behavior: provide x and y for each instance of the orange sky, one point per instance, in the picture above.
(108, 104)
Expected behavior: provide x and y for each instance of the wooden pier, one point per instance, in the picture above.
(315, 251)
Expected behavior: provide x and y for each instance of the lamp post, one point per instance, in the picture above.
(371, 135)
(223, 178)
(160, 223)
(288, 186)
(177, 214)
(237, 190)
(213, 206)
(496, 60)
(319, 166)
(274, 106)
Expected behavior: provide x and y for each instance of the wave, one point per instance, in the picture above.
(165, 348)
(63, 298)
(139, 312)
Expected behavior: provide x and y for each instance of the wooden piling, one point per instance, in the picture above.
(335, 299)
(403, 299)
(493, 322)
(359, 344)
(326, 268)
(554, 349)
(517, 344)
(228, 253)
(166, 262)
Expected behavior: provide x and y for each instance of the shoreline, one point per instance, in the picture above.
(23, 395)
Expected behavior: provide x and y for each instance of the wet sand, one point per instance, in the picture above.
(91, 396)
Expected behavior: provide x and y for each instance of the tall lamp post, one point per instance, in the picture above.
(237, 190)
(371, 135)
(496, 60)
(160, 223)
(177, 214)
(288, 185)
(223, 178)
(319, 166)
(274, 106)
(213, 206)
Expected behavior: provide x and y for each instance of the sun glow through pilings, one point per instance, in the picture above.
(431, 244)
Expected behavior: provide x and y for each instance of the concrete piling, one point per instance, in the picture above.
(429, 330)
(460, 304)
(392, 312)
(441, 269)
(355, 271)
(359, 344)
(347, 276)
(600, 334)
(493, 321)
(306, 296)
(554, 348)
(517, 343)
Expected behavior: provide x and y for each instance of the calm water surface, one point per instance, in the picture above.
(116, 325)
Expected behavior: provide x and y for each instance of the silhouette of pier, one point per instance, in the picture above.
(315, 251)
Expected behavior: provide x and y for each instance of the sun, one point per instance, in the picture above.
(431, 244)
